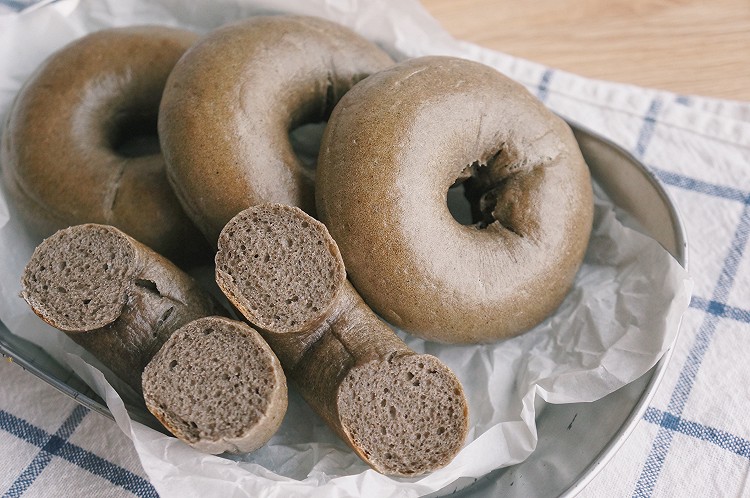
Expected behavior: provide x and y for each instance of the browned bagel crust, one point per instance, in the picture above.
(393, 147)
(58, 159)
(231, 102)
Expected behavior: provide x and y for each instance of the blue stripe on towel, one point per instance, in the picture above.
(722, 439)
(648, 127)
(52, 444)
(543, 86)
(721, 293)
(700, 186)
(716, 307)
(720, 309)
(18, 6)
(56, 445)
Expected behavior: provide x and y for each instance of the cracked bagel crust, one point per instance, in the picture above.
(401, 139)
(112, 295)
(60, 156)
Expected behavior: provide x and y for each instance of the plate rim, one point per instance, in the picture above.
(659, 369)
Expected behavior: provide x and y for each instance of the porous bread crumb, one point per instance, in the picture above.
(407, 415)
(404, 414)
(76, 279)
(112, 295)
(216, 381)
(282, 268)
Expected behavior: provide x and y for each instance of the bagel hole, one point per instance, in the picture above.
(305, 140)
(471, 199)
(459, 205)
(135, 135)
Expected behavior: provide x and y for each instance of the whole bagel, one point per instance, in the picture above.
(393, 147)
(231, 102)
(75, 146)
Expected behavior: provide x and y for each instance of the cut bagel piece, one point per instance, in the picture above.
(112, 295)
(216, 385)
(403, 413)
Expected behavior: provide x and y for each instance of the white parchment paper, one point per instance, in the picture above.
(619, 319)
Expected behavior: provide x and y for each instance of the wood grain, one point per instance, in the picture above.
(695, 47)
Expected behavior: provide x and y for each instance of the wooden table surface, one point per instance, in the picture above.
(699, 47)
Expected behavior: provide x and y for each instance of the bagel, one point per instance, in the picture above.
(393, 147)
(403, 413)
(216, 385)
(80, 146)
(112, 295)
(231, 102)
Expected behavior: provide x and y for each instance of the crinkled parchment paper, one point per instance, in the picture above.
(619, 319)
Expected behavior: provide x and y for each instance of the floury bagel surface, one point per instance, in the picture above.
(393, 147)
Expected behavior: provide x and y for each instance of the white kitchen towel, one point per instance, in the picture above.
(694, 439)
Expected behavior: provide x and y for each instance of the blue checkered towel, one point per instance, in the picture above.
(52, 446)
(694, 439)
